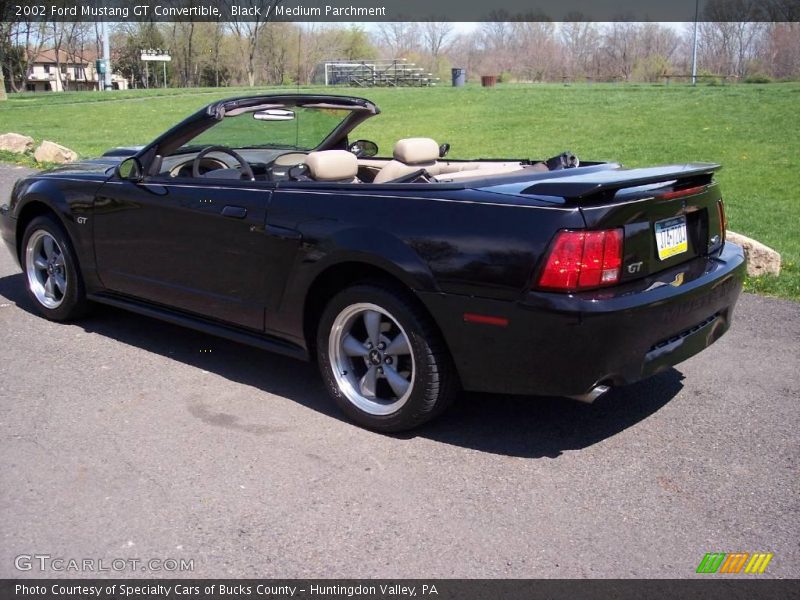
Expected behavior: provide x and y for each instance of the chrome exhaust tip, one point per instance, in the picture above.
(592, 394)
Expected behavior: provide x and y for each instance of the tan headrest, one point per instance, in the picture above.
(332, 165)
(416, 150)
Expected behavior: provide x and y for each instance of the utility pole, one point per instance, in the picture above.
(106, 58)
(694, 42)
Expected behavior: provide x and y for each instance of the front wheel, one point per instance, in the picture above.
(54, 280)
(382, 360)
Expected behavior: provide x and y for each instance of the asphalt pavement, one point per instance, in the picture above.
(122, 437)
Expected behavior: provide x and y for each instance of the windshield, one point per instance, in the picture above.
(290, 127)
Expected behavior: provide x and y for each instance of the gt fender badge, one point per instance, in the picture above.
(81, 220)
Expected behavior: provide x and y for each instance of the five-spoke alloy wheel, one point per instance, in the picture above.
(45, 268)
(51, 269)
(371, 359)
(381, 358)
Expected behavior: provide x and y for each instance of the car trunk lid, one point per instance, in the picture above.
(669, 214)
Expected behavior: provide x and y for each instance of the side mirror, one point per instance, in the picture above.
(364, 148)
(443, 150)
(130, 169)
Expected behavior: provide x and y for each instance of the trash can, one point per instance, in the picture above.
(488, 80)
(459, 77)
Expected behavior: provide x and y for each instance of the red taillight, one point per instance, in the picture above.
(723, 220)
(583, 259)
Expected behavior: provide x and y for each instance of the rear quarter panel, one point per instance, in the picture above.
(458, 241)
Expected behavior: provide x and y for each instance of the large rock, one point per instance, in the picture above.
(54, 153)
(16, 143)
(761, 259)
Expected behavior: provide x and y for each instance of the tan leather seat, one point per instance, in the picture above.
(332, 165)
(411, 154)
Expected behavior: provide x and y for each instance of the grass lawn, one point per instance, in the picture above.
(752, 130)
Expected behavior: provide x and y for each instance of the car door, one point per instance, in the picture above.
(198, 246)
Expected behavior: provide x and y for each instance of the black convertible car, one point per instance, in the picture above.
(259, 219)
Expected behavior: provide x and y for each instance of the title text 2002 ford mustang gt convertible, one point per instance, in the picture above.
(260, 220)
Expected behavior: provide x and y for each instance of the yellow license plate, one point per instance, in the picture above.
(671, 237)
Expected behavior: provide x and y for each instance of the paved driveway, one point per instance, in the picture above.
(123, 437)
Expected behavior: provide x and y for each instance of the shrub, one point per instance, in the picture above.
(758, 78)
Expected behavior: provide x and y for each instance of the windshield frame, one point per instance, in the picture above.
(168, 142)
(260, 129)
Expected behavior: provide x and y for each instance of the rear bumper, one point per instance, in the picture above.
(565, 344)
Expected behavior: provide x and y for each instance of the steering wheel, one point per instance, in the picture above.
(247, 170)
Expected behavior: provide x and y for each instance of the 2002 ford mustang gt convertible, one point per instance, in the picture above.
(259, 219)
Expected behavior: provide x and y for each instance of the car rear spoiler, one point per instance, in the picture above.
(603, 185)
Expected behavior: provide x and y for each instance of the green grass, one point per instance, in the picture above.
(752, 130)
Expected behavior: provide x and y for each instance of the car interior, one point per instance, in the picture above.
(236, 151)
(414, 160)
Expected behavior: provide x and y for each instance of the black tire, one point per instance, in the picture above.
(433, 379)
(72, 303)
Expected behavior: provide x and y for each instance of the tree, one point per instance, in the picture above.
(314, 44)
(276, 52)
(495, 42)
(356, 44)
(537, 50)
(619, 49)
(183, 51)
(437, 37)
(399, 38)
(728, 46)
(248, 34)
(21, 41)
(5, 46)
(217, 35)
(657, 47)
(68, 43)
(579, 40)
(781, 51)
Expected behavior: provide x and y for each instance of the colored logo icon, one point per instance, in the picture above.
(735, 562)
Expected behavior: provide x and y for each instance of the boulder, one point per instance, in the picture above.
(54, 153)
(16, 143)
(761, 259)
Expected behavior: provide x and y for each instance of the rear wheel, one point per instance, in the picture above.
(54, 281)
(382, 360)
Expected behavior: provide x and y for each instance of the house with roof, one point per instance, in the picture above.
(68, 71)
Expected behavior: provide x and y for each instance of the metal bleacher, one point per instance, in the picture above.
(376, 73)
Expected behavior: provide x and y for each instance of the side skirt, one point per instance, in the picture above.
(264, 342)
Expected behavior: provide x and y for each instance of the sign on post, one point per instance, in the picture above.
(149, 56)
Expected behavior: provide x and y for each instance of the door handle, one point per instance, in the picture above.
(234, 212)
